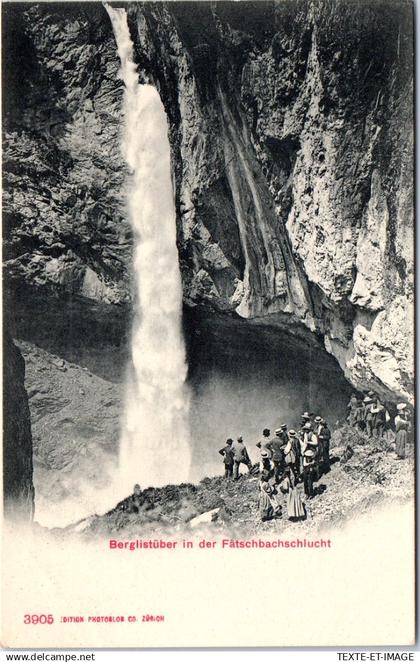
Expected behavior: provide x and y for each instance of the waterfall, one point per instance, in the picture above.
(154, 443)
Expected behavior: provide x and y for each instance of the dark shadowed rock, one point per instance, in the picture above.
(17, 437)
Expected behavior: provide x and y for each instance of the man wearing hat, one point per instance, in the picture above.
(309, 472)
(319, 461)
(380, 419)
(227, 452)
(305, 418)
(277, 446)
(368, 415)
(402, 428)
(282, 432)
(308, 436)
(309, 441)
(240, 456)
(324, 437)
(266, 464)
(317, 425)
(352, 407)
(359, 415)
(292, 453)
(265, 440)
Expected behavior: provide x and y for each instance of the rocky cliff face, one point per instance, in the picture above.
(291, 130)
(65, 227)
(292, 136)
(17, 436)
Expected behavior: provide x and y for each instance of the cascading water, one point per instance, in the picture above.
(154, 444)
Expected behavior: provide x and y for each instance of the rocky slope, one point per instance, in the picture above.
(291, 129)
(75, 416)
(371, 477)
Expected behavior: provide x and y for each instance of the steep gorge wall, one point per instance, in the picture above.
(292, 138)
(66, 231)
(17, 436)
(291, 129)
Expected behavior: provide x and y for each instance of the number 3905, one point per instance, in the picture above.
(35, 619)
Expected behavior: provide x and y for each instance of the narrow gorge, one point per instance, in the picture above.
(290, 127)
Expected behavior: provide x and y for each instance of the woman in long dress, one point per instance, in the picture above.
(268, 505)
(295, 507)
(402, 426)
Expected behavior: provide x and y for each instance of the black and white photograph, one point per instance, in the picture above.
(208, 308)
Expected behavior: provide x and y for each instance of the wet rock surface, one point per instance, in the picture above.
(293, 144)
(17, 437)
(291, 132)
(63, 200)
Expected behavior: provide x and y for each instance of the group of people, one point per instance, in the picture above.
(369, 415)
(293, 456)
(287, 458)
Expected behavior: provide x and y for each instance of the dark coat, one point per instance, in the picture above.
(227, 452)
(276, 446)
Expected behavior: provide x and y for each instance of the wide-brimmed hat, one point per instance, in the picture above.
(309, 453)
(401, 406)
(306, 414)
(292, 433)
(283, 426)
(307, 426)
(278, 430)
(367, 399)
(265, 454)
(318, 419)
